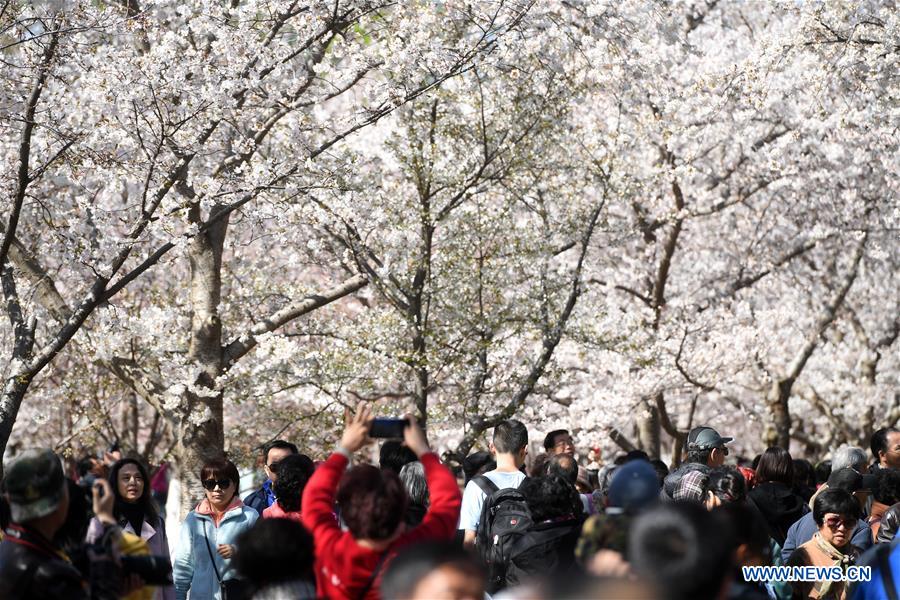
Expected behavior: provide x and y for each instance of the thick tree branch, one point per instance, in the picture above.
(665, 263)
(139, 381)
(246, 342)
(620, 440)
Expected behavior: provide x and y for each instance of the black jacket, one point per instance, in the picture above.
(780, 507)
(32, 568)
(545, 550)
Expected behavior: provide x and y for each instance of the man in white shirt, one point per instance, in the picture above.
(509, 447)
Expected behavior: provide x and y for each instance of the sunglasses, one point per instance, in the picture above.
(211, 484)
(835, 522)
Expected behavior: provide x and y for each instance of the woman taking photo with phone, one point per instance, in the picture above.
(202, 564)
(136, 513)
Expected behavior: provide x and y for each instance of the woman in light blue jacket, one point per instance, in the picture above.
(206, 544)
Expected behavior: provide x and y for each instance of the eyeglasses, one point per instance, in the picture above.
(835, 522)
(211, 484)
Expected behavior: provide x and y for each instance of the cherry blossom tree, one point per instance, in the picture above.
(187, 115)
(622, 218)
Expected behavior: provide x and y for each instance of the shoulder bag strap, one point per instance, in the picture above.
(373, 576)
(211, 557)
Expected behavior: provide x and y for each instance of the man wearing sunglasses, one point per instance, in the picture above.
(272, 453)
(706, 447)
(705, 450)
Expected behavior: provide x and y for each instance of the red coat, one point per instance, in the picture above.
(343, 567)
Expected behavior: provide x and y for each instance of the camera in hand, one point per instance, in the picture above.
(154, 570)
(388, 428)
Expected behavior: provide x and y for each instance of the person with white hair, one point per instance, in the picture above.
(850, 457)
(413, 477)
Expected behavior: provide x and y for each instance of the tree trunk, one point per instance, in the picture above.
(10, 402)
(200, 434)
(780, 433)
(648, 429)
(19, 375)
(421, 391)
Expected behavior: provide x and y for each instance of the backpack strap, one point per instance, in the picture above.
(884, 565)
(485, 485)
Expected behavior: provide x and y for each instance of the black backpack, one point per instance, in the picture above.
(504, 517)
(547, 549)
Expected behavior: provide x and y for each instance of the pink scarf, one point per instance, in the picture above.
(205, 508)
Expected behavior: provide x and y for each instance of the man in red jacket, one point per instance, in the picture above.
(372, 502)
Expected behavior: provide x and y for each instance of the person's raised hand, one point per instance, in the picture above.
(356, 428)
(414, 437)
(103, 501)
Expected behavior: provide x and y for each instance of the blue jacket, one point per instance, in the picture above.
(805, 527)
(192, 569)
(261, 499)
(874, 589)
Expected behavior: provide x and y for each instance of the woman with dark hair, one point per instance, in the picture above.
(836, 513)
(136, 512)
(724, 486)
(478, 463)
(202, 564)
(547, 547)
(773, 496)
(886, 494)
(293, 472)
(804, 479)
(823, 472)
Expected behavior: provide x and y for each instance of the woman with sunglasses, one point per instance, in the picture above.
(202, 564)
(836, 513)
(136, 513)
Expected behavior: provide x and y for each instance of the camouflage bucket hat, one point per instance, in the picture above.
(34, 485)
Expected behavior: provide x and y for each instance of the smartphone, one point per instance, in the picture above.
(388, 428)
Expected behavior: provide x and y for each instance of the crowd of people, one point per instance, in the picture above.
(409, 529)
